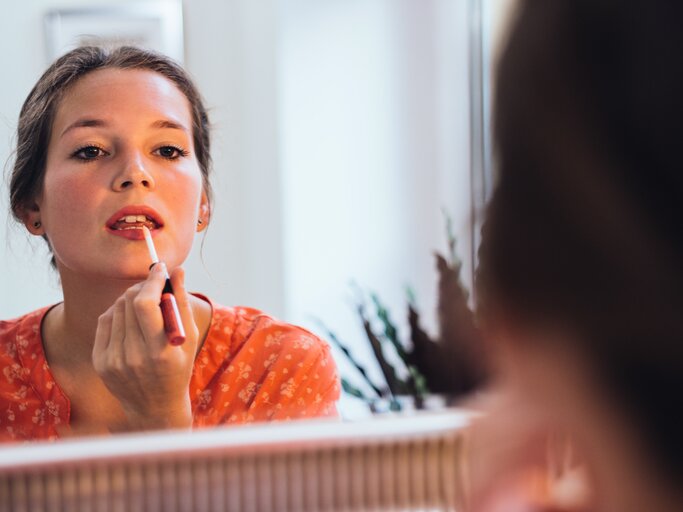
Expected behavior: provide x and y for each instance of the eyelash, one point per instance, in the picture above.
(76, 154)
(178, 152)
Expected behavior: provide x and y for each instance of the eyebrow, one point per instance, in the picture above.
(166, 123)
(83, 123)
(97, 123)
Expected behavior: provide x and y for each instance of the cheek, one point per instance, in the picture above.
(185, 192)
(182, 195)
(185, 213)
(67, 199)
(68, 213)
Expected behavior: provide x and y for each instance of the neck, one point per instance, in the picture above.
(69, 330)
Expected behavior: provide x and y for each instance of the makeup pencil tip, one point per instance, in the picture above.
(150, 245)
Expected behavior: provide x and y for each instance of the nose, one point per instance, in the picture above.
(133, 174)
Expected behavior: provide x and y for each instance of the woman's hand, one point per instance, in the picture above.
(134, 359)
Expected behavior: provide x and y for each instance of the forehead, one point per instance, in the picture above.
(113, 91)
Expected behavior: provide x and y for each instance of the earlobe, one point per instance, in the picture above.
(204, 214)
(35, 228)
(32, 220)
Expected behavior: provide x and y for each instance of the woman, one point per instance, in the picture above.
(581, 283)
(108, 142)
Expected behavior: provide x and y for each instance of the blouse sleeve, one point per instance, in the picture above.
(272, 371)
(300, 380)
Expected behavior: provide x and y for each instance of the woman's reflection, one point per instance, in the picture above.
(109, 142)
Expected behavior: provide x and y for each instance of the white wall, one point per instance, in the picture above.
(374, 125)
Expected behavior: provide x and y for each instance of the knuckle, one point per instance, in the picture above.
(104, 370)
(143, 303)
(160, 359)
(118, 368)
(135, 362)
(112, 365)
(131, 293)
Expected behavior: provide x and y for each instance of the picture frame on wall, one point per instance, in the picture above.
(156, 25)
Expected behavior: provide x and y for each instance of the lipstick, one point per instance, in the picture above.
(173, 325)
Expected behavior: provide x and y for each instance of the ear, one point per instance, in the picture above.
(204, 213)
(31, 218)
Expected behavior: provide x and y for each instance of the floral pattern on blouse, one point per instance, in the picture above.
(251, 367)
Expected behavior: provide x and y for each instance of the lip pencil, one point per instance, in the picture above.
(173, 325)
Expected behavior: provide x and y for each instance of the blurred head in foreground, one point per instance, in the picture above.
(580, 284)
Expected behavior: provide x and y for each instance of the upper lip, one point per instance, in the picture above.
(148, 211)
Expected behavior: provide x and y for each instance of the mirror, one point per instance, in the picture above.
(342, 132)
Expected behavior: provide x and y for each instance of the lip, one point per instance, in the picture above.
(134, 234)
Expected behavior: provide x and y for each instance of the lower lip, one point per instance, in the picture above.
(130, 234)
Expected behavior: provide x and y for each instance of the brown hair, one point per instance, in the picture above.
(38, 112)
(583, 232)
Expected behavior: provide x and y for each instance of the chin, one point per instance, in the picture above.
(136, 273)
(119, 271)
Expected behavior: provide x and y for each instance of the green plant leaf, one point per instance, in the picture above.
(352, 390)
(390, 331)
(345, 350)
(396, 386)
(395, 405)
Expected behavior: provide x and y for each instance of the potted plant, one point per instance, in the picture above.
(450, 365)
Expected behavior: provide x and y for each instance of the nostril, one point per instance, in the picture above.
(133, 177)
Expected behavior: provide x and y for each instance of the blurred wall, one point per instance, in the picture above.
(374, 125)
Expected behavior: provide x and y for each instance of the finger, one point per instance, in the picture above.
(102, 336)
(146, 307)
(133, 344)
(114, 352)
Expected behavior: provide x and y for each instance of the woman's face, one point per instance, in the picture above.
(121, 155)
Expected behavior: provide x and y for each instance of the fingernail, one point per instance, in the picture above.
(160, 267)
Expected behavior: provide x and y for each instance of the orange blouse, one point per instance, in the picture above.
(250, 368)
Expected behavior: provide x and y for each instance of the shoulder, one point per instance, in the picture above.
(275, 370)
(252, 329)
(25, 385)
(272, 334)
(20, 331)
(11, 325)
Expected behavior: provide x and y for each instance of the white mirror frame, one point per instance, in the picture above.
(154, 24)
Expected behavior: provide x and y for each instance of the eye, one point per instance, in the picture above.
(170, 152)
(89, 153)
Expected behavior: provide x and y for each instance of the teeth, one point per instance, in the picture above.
(132, 219)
